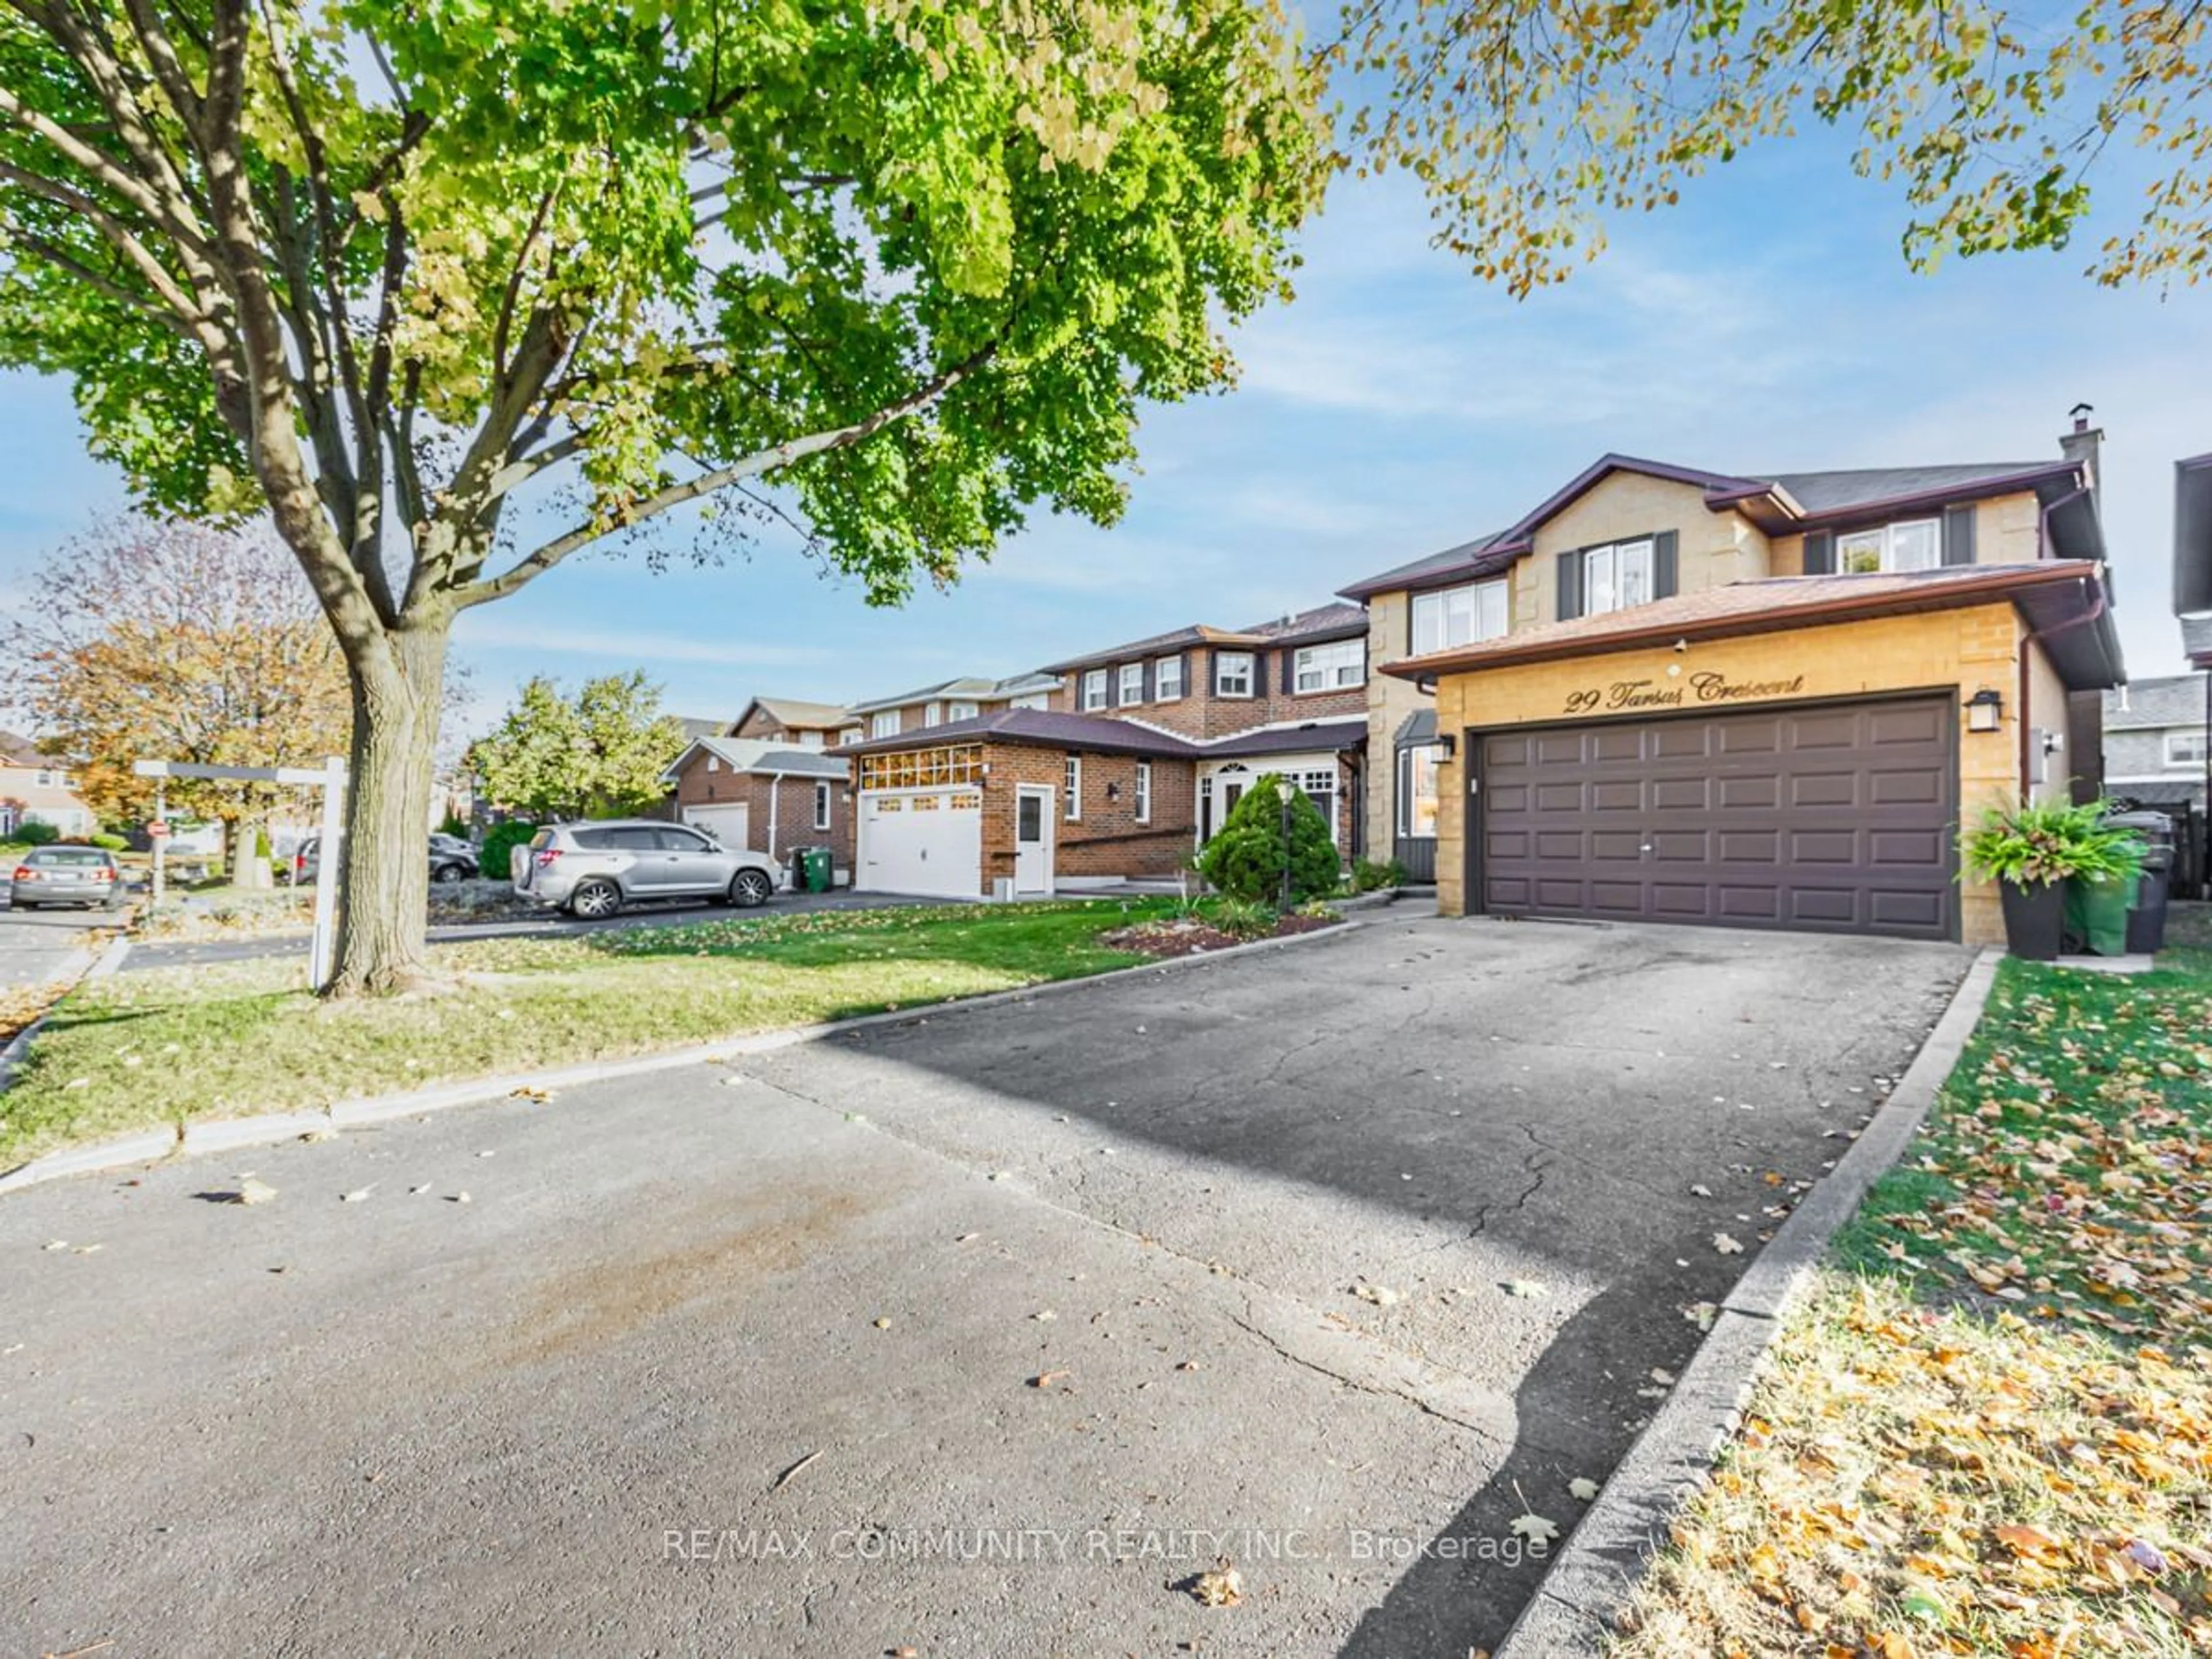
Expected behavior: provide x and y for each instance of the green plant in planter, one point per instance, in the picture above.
(2036, 843)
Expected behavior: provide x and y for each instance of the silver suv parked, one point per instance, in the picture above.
(593, 870)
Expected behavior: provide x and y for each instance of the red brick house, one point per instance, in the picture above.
(793, 722)
(1118, 764)
(770, 796)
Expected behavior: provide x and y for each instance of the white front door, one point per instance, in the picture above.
(1033, 839)
(923, 840)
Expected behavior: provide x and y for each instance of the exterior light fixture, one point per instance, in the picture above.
(1113, 791)
(1447, 745)
(1985, 711)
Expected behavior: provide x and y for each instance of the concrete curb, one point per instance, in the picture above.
(231, 1134)
(78, 967)
(1592, 1578)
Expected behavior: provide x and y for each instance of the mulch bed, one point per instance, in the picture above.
(1190, 936)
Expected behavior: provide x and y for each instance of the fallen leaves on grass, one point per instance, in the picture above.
(1926, 1481)
(2069, 1170)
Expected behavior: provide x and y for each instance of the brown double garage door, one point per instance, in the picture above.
(1837, 818)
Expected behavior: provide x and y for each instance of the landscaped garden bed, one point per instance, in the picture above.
(1199, 932)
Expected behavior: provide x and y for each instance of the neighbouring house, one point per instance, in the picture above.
(946, 703)
(36, 788)
(1749, 700)
(769, 794)
(788, 721)
(1120, 765)
(2154, 750)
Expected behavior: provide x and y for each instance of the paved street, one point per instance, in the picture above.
(38, 945)
(976, 1333)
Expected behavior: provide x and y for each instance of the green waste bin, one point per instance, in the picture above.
(814, 871)
(2097, 914)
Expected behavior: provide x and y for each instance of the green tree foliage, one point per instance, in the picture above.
(453, 292)
(1529, 119)
(36, 832)
(499, 844)
(1246, 858)
(599, 754)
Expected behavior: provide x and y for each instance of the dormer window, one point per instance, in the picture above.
(1915, 544)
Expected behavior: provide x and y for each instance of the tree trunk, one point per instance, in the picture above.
(397, 688)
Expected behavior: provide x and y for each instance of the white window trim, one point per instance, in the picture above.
(822, 807)
(1480, 594)
(1888, 551)
(1221, 661)
(1143, 791)
(884, 723)
(2194, 738)
(932, 715)
(1160, 692)
(965, 711)
(1616, 553)
(1094, 681)
(1127, 693)
(1409, 759)
(1073, 790)
(1332, 666)
(713, 762)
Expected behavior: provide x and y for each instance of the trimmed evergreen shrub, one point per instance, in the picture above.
(498, 842)
(1246, 859)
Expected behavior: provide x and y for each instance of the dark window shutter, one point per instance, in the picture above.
(1113, 685)
(1819, 552)
(1959, 534)
(1259, 673)
(1147, 674)
(1571, 586)
(1666, 577)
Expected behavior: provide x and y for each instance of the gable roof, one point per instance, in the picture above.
(2066, 600)
(972, 689)
(1786, 502)
(16, 750)
(2173, 700)
(758, 754)
(1089, 733)
(793, 714)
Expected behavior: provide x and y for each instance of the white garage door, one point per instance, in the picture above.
(728, 823)
(922, 841)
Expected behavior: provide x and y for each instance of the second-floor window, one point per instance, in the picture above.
(1232, 673)
(1094, 690)
(1167, 679)
(1330, 667)
(933, 715)
(2185, 748)
(964, 711)
(807, 739)
(884, 724)
(1458, 616)
(1032, 700)
(1916, 545)
(1133, 682)
(1615, 577)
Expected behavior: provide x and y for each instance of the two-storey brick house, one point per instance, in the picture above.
(1130, 763)
(1757, 699)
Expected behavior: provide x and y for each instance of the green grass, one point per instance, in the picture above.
(2066, 1171)
(153, 1049)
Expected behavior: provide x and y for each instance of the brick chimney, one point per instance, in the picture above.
(2083, 444)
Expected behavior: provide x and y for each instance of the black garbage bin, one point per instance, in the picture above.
(2146, 932)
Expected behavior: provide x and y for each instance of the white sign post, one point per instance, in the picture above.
(331, 779)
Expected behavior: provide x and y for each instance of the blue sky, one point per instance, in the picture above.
(1397, 407)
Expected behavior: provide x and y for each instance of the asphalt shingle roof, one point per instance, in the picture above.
(1091, 732)
(1820, 492)
(2176, 700)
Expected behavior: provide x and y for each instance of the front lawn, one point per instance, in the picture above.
(1990, 1429)
(147, 1050)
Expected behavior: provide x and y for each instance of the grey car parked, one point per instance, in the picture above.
(65, 875)
(593, 870)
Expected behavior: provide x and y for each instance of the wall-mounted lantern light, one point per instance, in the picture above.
(1985, 711)
(1113, 791)
(1447, 745)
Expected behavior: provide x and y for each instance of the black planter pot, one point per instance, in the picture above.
(2035, 919)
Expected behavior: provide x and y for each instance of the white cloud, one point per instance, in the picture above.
(476, 631)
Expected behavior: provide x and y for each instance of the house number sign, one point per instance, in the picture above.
(1623, 696)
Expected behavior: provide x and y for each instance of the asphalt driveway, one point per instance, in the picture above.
(37, 946)
(975, 1334)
